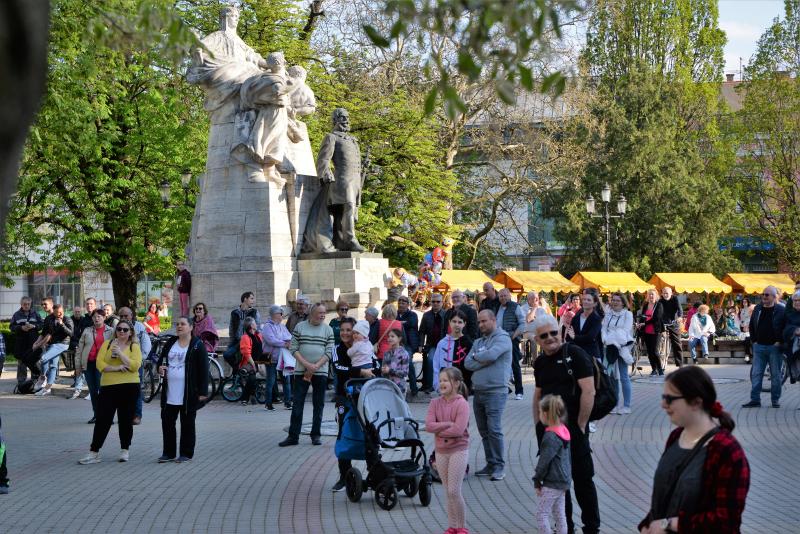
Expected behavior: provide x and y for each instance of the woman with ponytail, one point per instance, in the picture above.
(701, 481)
(448, 419)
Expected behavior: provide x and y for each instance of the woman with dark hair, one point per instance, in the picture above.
(650, 324)
(183, 364)
(204, 328)
(585, 328)
(702, 479)
(152, 324)
(452, 350)
(118, 361)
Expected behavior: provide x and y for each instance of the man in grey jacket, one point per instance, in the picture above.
(490, 362)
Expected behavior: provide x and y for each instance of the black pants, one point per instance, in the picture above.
(3, 465)
(169, 418)
(582, 482)
(516, 370)
(651, 342)
(119, 399)
(300, 389)
(675, 342)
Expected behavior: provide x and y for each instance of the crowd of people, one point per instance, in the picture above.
(471, 349)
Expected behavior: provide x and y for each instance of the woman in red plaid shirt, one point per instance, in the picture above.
(701, 482)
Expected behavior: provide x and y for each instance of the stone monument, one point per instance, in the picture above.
(261, 184)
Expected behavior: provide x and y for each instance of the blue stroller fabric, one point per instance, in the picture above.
(350, 443)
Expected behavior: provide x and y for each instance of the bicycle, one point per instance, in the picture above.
(233, 387)
(216, 375)
(151, 379)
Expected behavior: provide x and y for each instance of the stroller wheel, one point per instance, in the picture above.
(411, 487)
(425, 490)
(386, 495)
(353, 484)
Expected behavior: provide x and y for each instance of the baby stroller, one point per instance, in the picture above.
(379, 418)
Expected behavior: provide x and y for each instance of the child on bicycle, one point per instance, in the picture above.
(552, 477)
(448, 419)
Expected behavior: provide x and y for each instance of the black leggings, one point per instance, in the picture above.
(119, 399)
(651, 342)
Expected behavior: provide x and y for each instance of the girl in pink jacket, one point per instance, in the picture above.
(448, 419)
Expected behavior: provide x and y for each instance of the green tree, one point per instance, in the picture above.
(768, 169)
(647, 123)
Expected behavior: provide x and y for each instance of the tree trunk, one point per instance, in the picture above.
(124, 280)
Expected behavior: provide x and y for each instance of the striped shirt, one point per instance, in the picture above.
(313, 342)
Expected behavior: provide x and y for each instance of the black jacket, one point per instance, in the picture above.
(778, 321)
(588, 338)
(657, 319)
(23, 340)
(792, 321)
(196, 374)
(410, 329)
(426, 338)
(471, 329)
(59, 333)
(490, 304)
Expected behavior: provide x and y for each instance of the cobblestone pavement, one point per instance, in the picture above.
(240, 481)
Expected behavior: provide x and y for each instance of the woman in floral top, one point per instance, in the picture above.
(395, 360)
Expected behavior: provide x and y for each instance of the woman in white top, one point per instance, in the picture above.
(700, 329)
(617, 334)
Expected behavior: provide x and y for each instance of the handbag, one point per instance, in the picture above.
(378, 344)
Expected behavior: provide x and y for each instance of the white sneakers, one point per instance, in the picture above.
(624, 411)
(518, 396)
(91, 458)
(40, 383)
(123, 455)
(42, 392)
(76, 394)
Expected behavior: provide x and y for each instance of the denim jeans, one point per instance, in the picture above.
(80, 382)
(702, 341)
(50, 361)
(92, 376)
(412, 373)
(288, 380)
(230, 355)
(488, 408)
(623, 381)
(271, 378)
(140, 400)
(763, 355)
(320, 385)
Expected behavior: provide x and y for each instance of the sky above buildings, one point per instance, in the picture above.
(744, 21)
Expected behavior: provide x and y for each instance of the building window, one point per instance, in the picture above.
(65, 287)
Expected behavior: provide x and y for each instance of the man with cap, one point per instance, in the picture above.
(299, 314)
(371, 316)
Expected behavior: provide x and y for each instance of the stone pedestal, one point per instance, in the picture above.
(242, 238)
(355, 277)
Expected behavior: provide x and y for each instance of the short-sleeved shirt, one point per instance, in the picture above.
(552, 376)
(176, 374)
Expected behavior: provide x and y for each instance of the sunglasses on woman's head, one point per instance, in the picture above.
(551, 333)
(669, 399)
(123, 329)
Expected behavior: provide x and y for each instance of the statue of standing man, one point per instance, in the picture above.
(340, 195)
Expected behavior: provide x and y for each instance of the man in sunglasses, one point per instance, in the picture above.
(766, 332)
(125, 314)
(568, 371)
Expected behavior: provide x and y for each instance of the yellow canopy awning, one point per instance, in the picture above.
(536, 281)
(465, 280)
(753, 283)
(610, 282)
(690, 283)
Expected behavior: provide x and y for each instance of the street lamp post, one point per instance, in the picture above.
(186, 182)
(622, 207)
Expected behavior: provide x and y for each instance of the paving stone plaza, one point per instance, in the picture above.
(240, 481)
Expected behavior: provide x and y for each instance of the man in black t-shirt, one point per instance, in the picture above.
(551, 371)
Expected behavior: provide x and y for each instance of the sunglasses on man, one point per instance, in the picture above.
(551, 333)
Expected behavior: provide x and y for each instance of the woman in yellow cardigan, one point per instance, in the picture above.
(118, 361)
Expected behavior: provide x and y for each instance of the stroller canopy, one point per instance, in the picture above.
(381, 400)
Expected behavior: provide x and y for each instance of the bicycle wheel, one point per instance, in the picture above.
(233, 389)
(766, 381)
(215, 377)
(664, 350)
(261, 391)
(150, 385)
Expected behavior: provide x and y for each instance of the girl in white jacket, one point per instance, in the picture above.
(617, 334)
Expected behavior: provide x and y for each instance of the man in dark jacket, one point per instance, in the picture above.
(299, 314)
(673, 315)
(490, 300)
(184, 355)
(460, 303)
(766, 334)
(54, 340)
(432, 328)
(408, 318)
(26, 325)
(511, 319)
(235, 327)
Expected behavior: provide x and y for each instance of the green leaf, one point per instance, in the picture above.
(375, 36)
(550, 80)
(430, 100)
(505, 90)
(467, 65)
(526, 77)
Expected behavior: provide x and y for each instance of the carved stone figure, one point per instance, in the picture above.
(340, 195)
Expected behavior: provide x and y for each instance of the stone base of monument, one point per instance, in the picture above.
(354, 277)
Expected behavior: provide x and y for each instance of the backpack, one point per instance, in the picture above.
(605, 396)
(24, 388)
